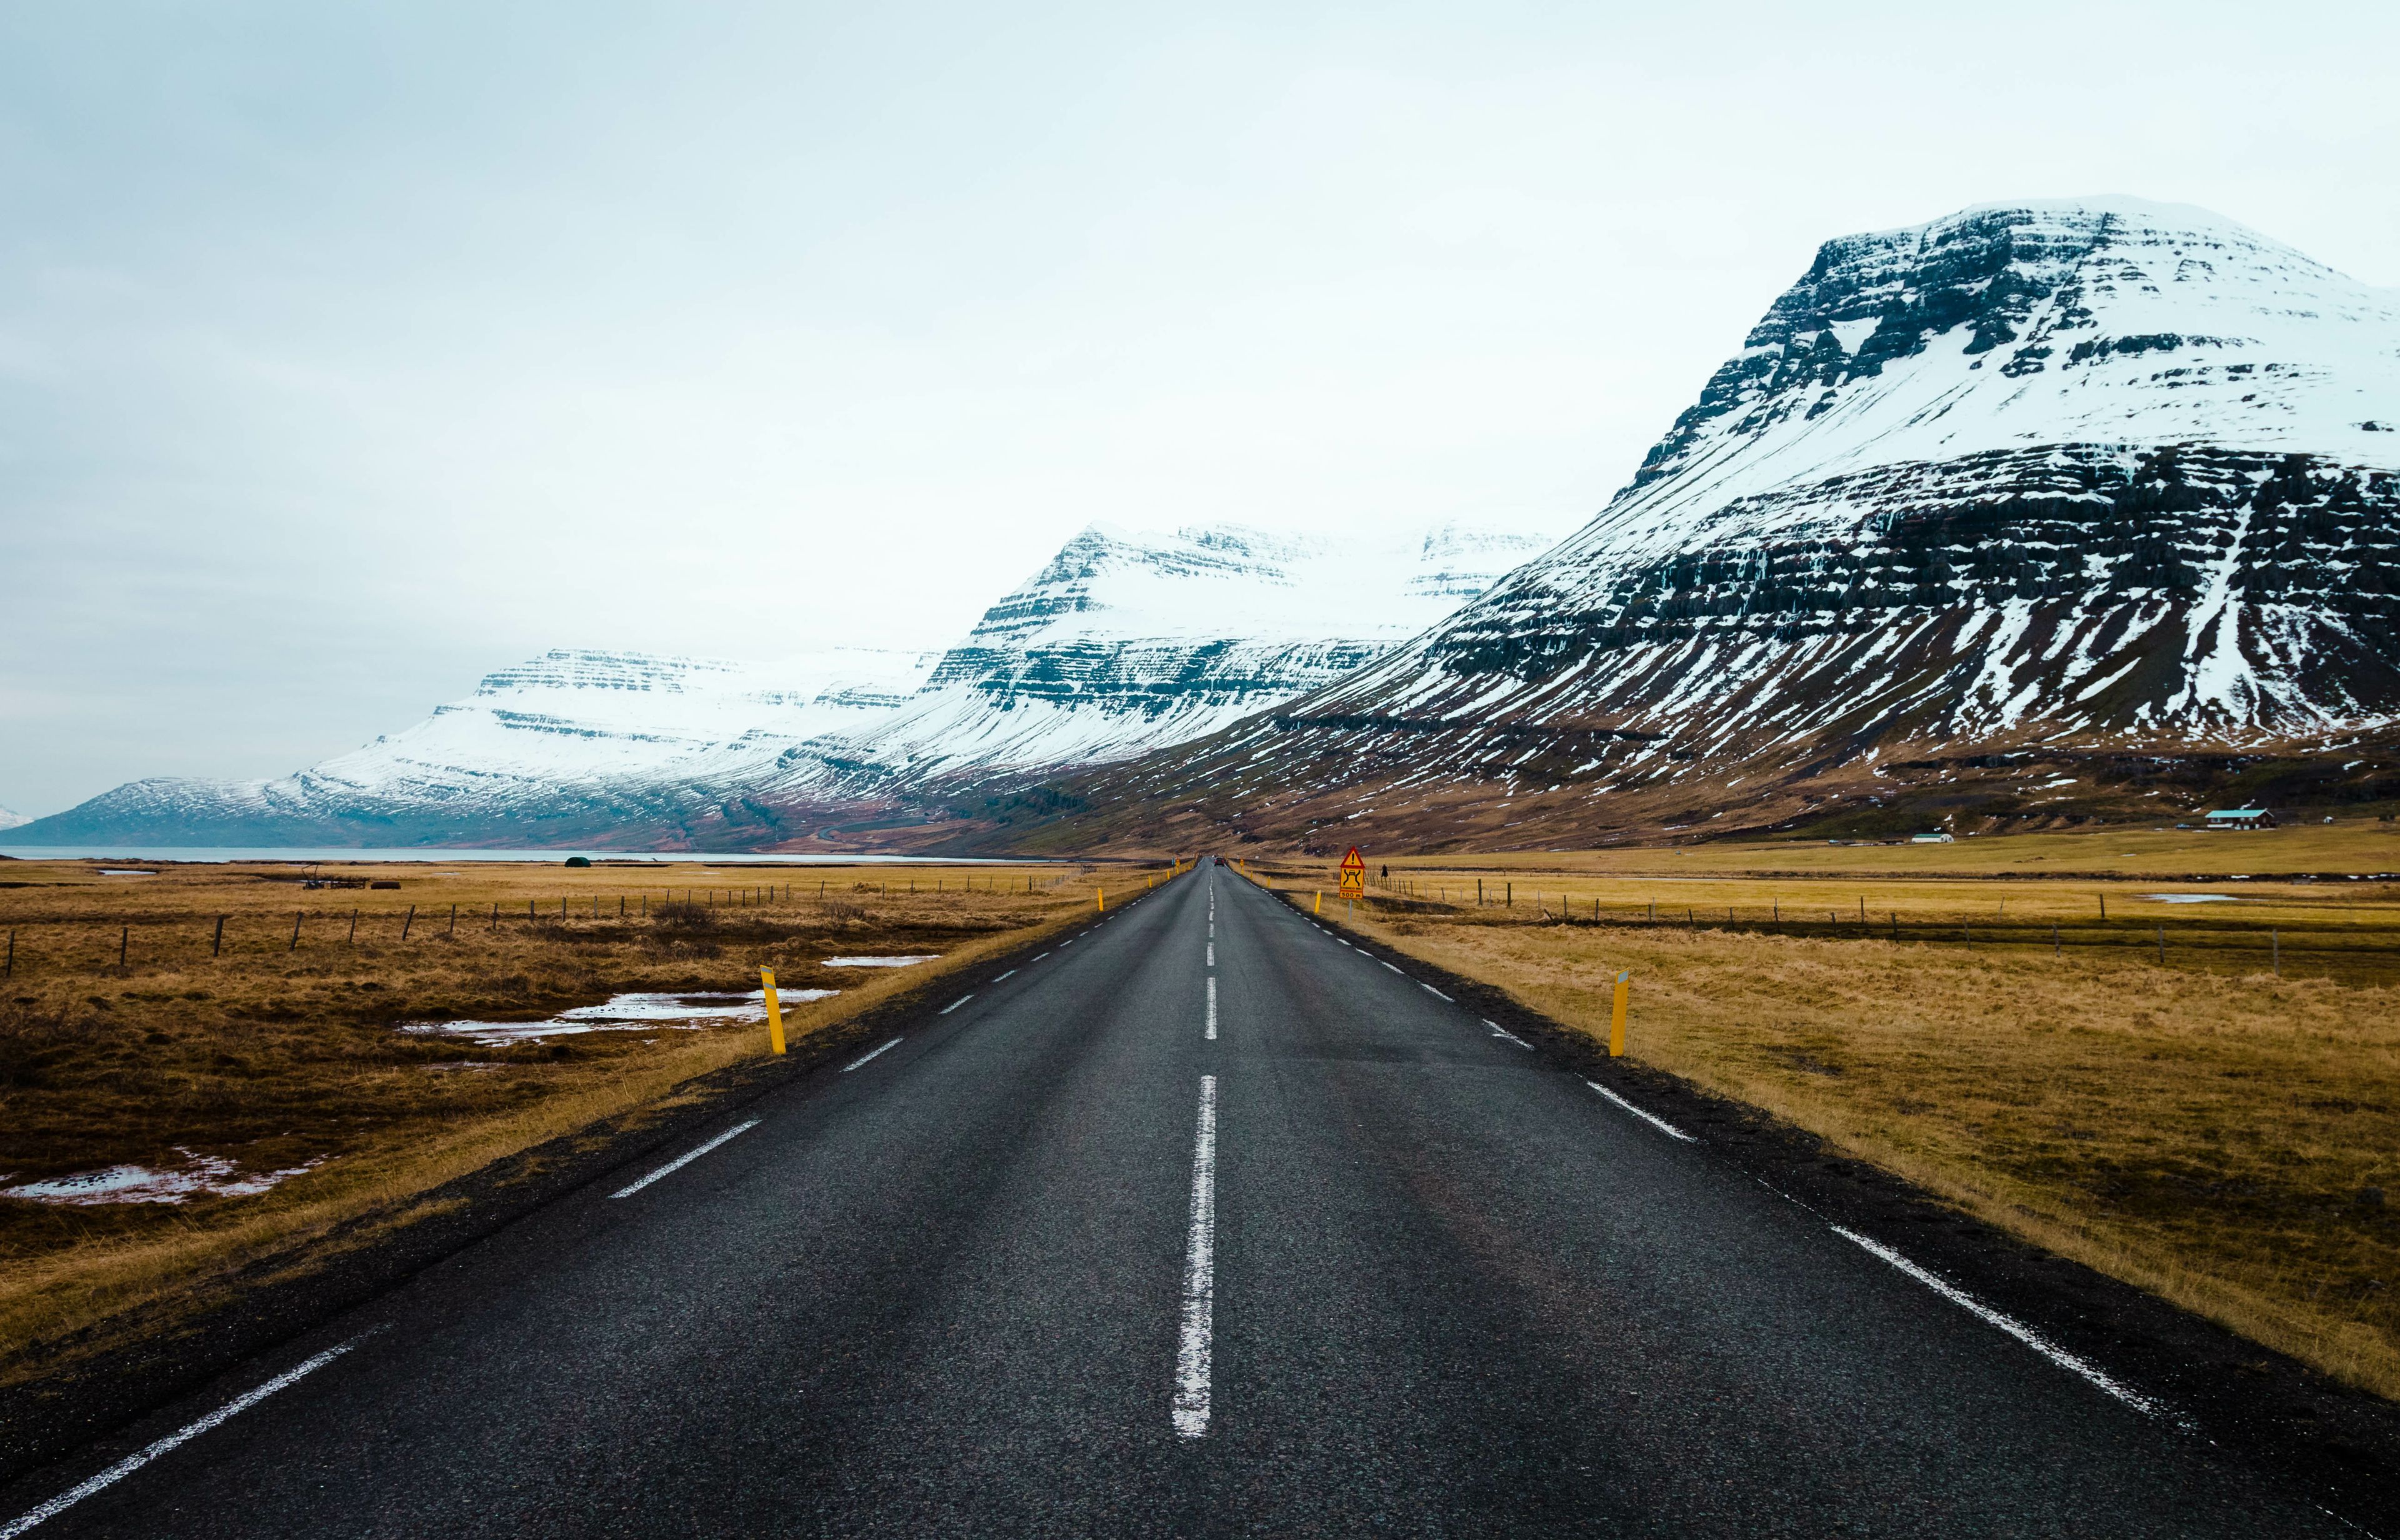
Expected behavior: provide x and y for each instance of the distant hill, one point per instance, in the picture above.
(1122, 643)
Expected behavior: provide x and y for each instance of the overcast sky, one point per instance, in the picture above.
(350, 351)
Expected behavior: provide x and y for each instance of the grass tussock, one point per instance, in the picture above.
(275, 1055)
(2222, 1138)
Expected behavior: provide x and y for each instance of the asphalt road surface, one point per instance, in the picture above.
(1203, 1222)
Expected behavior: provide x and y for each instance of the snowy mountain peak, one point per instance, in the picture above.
(2093, 472)
(2093, 322)
(1126, 641)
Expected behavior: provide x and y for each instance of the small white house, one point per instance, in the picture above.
(2240, 818)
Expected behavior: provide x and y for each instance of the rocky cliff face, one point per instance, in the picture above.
(1124, 643)
(2115, 471)
(2090, 476)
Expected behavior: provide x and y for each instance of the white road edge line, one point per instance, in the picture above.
(1192, 1355)
(1037, 959)
(1431, 990)
(183, 1434)
(1388, 965)
(1011, 974)
(862, 1058)
(1657, 1122)
(2008, 1324)
(681, 1160)
(1212, 1010)
(954, 1004)
(1498, 1030)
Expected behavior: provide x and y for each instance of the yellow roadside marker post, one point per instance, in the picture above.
(774, 1009)
(1616, 1018)
(1320, 901)
(1099, 898)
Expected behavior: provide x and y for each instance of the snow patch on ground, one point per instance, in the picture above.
(625, 1013)
(199, 1177)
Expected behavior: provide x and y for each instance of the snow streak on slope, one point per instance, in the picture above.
(1126, 642)
(2100, 471)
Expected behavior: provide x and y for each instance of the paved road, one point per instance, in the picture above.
(1059, 1262)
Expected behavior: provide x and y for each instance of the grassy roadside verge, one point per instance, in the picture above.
(274, 1054)
(2223, 1142)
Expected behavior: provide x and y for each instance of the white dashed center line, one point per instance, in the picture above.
(1191, 1354)
(1212, 1011)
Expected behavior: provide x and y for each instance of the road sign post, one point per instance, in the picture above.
(774, 1009)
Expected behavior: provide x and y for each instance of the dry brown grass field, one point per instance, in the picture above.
(2204, 1128)
(272, 1054)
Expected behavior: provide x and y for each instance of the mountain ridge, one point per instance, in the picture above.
(1121, 643)
(2034, 480)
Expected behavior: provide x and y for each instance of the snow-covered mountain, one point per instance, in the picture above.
(2096, 473)
(572, 746)
(1123, 642)
(2103, 467)
(1127, 641)
(12, 820)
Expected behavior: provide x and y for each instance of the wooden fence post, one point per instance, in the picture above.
(217, 945)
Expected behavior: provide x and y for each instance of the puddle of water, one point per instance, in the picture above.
(880, 962)
(625, 1013)
(2194, 898)
(200, 1175)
